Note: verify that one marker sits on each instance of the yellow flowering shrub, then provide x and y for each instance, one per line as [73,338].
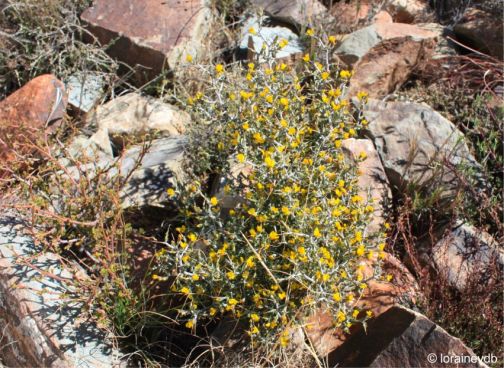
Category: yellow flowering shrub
[296,238]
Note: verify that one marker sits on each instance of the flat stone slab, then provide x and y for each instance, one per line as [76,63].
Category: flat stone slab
[150,32]
[41,327]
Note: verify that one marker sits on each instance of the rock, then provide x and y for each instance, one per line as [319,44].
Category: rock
[40,326]
[482,31]
[133,113]
[384,55]
[28,114]
[378,298]
[408,11]
[266,35]
[160,169]
[296,12]
[95,148]
[467,255]
[401,337]
[357,44]
[85,91]
[417,145]
[373,181]
[354,15]
[153,34]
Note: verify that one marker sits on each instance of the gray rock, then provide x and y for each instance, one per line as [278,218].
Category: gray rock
[296,12]
[467,255]
[401,337]
[417,145]
[267,35]
[160,168]
[40,326]
[85,90]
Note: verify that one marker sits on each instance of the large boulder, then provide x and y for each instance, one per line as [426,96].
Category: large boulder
[417,145]
[482,31]
[150,33]
[401,337]
[29,114]
[296,12]
[384,55]
[466,255]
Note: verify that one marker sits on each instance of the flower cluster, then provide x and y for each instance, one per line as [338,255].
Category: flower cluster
[285,231]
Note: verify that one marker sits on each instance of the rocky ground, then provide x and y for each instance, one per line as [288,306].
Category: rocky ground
[93,132]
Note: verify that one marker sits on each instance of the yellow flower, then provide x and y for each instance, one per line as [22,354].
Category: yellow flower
[192,237]
[269,162]
[369,314]
[362,95]
[170,192]
[274,236]
[230,275]
[258,138]
[284,101]
[254,317]
[310,32]
[281,295]
[345,74]
[336,297]
[240,157]
[212,311]
[250,262]
[232,301]
[189,58]
[219,68]
[285,211]
[252,31]
[284,340]
[360,250]
[282,43]
[341,316]
[195,277]
[389,278]
[332,39]
[254,330]
[324,75]
[185,291]
[214,201]
[189,324]
[316,233]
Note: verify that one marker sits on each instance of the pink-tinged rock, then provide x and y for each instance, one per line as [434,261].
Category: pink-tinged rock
[297,12]
[482,31]
[152,33]
[408,11]
[384,55]
[373,182]
[467,255]
[388,65]
[352,16]
[401,337]
[378,298]
[29,113]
